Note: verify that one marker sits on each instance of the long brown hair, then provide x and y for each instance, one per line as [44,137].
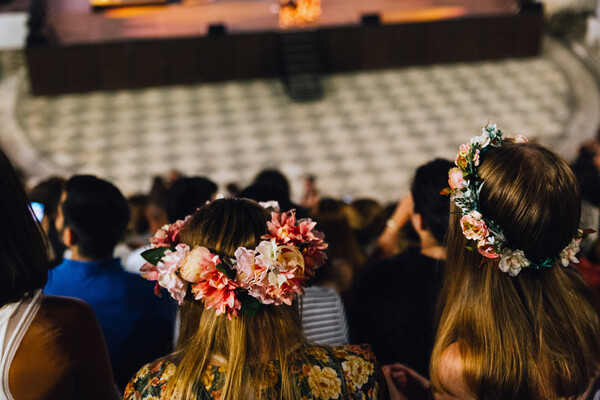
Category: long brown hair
[534,336]
[244,346]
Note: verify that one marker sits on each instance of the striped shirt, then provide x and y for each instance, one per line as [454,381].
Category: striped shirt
[323,317]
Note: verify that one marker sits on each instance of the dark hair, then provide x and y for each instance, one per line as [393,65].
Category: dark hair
[23,255]
[266,192]
[186,195]
[48,193]
[430,179]
[97,213]
[342,244]
[275,178]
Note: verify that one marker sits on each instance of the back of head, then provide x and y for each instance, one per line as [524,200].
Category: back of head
[243,344]
[97,213]
[367,219]
[333,222]
[23,256]
[186,195]
[266,192]
[430,179]
[274,177]
[48,193]
[533,335]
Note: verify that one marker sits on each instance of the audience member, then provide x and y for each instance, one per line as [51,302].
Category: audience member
[156,212]
[183,197]
[186,195]
[48,194]
[409,283]
[236,279]
[515,319]
[138,228]
[262,192]
[50,347]
[137,326]
[311,195]
[280,187]
[345,256]
[367,219]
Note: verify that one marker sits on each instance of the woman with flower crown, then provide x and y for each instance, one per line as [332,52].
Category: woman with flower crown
[515,321]
[236,275]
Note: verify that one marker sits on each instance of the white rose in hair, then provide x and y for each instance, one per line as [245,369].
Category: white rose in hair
[511,261]
[568,253]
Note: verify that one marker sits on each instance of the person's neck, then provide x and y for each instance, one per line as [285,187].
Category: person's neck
[77,256]
[431,248]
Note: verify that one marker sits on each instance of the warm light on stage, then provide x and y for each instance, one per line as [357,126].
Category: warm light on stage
[77,49]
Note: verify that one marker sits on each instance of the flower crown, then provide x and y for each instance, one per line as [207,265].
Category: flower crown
[465,188]
[273,273]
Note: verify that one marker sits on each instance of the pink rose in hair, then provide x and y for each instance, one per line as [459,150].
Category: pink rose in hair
[161,238]
[167,235]
[218,292]
[195,262]
[175,228]
[473,226]
[488,251]
[284,229]
[456,179]
[521,139]
[476,158]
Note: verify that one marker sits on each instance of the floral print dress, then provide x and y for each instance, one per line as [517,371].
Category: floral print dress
[322,372]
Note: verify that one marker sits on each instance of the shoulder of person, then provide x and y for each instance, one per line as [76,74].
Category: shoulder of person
[150,380]
[363,351]
[66,312]
[450,374]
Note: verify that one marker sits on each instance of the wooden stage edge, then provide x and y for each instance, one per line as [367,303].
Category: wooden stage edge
[218,56]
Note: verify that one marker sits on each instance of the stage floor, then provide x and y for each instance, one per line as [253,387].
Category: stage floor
[73,21]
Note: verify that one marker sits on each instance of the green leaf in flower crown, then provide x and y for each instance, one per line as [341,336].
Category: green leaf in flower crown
[250,305]
[469,248]
[153,256]
[229,273]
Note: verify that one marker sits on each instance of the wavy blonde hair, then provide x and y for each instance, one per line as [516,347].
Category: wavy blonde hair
[245,346]
[534,336]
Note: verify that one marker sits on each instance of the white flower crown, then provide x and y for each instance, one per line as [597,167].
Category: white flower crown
[465,188]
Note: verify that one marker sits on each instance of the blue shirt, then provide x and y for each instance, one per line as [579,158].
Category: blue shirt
[137,325]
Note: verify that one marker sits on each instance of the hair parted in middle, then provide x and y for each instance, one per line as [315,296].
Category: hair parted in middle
[530,336]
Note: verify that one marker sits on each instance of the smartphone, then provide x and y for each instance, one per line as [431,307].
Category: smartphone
[38,210]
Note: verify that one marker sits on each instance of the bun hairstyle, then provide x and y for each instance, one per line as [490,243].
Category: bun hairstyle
[529,336]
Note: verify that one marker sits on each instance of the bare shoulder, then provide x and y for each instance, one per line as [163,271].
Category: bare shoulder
[69,315]
[451,376]
[68,306]
[54,350]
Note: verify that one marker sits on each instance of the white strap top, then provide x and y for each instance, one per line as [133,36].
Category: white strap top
[15,319]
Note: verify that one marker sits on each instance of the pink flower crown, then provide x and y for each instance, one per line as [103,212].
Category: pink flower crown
[465,186]
[273,273]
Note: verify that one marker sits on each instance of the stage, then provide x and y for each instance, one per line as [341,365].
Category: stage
[72,48]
